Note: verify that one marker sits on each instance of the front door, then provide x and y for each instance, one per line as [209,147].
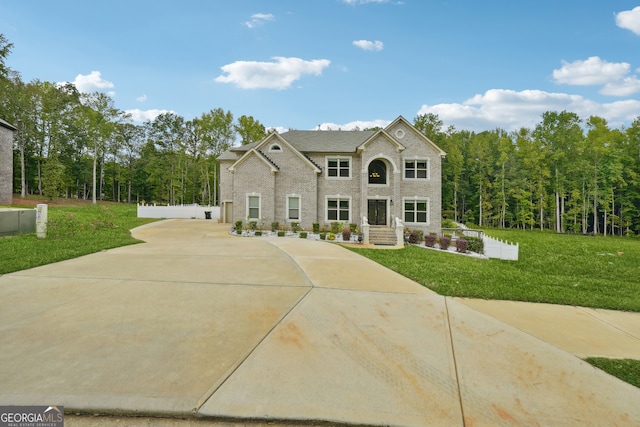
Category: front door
[377,212]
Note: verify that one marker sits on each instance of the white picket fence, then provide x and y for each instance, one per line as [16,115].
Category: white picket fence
[178,211]
[496,248]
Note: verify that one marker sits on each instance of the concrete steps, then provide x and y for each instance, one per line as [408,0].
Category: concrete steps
[382,235]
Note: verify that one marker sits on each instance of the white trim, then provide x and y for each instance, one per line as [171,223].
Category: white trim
[259,196]
[299,197]
[416,159]
[273,149]
[338,158]
[338,197]
[427,200]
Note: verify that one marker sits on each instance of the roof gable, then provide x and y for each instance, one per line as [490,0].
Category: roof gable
[404,121]
[399,147]
[253,152]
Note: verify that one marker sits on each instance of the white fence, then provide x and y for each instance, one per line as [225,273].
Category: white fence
[179,211]
[495,248]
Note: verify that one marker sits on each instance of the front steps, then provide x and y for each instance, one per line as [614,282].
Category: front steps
[382,236]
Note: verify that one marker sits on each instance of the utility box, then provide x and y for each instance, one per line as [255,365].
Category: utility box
[16,221]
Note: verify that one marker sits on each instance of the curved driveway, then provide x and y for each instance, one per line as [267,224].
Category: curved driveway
[195,323]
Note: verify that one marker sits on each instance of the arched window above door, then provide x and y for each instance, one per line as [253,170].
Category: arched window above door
[377,172]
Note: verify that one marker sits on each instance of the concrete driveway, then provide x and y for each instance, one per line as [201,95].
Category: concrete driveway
[198,324]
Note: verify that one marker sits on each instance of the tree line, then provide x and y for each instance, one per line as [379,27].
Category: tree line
[565,174]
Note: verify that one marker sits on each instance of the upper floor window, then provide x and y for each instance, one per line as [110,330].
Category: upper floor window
[275,148]
[377,172]
[339,167]
[416,169]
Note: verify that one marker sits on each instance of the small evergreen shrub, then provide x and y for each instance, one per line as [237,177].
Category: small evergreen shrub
[475,244]
[253,225]
[445,241]
[430,240]
[353,227]
[275,226]
[462,245]
[295,227]
[316,227]
[258,233]
[323,236]
[239,227]
[335,227]
[448,223]
[281,233]
[303,234]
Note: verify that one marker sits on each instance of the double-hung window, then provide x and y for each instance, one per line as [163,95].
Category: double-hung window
[416,211]
[293,208]
[339,167]
[338,209]
[416,169]
[253,207]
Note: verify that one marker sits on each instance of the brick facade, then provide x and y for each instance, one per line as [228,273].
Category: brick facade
[296,164]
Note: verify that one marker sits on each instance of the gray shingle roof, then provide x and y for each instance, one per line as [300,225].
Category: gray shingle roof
[332,141]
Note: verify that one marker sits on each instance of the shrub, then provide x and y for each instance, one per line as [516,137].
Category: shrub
[448,223]
[353,227]
[253,225]
[295,227]
[239,226]
[331,236]
[275,226]
[316,227]
[258,233]
[413,238]
[323,236]
[430,240]
[462,245]
[281,233]
[335,227]
[475,244]
[346,234]
[303,234]
[445,241]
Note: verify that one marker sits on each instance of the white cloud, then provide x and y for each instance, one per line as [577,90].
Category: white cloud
[270,75]
[511,110]
[142,98]
[138,115]
[360,124]
[629,20]
[593,71]
[258,19]
[369,45]
[92,82]
[625,87]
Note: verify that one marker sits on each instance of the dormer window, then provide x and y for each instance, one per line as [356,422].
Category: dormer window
[275,148]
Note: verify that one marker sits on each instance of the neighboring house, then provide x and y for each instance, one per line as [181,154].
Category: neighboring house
[327,176]
[6,162]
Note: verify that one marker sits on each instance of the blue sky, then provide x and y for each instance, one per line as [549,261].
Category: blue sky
[339,63]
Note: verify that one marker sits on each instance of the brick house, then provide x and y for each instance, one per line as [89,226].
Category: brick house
[327,176]
[6,162]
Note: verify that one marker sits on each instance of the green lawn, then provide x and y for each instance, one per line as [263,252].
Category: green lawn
[626,369]
[72,231]
[600,272]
